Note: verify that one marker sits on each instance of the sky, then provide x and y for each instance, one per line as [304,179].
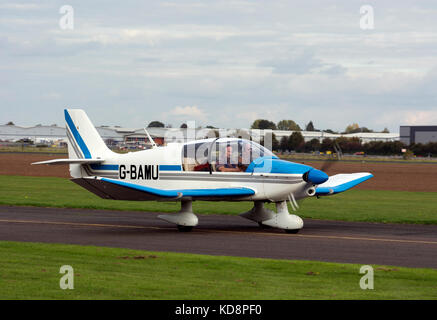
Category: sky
[220,63]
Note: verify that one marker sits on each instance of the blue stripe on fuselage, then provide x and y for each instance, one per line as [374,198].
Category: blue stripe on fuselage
[170,167]
[104,166]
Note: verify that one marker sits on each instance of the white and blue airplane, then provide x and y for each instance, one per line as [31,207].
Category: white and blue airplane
[217,169]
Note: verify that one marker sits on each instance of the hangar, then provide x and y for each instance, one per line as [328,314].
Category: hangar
[113,136]
[363,136]
[418,134]
[137,136]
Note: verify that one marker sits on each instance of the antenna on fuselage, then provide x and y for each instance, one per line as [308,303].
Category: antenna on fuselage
[150,139]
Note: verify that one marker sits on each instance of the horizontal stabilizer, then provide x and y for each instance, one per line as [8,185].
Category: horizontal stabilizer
[70,161]
[341,182]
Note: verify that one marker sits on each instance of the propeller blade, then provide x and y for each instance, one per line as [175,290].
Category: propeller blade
[329,162]
[293,203]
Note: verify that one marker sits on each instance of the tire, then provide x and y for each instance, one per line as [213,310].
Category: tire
[292,231]
[184,228]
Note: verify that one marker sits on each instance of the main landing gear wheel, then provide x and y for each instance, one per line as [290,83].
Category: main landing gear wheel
[184,228]
[293,231]
[185,219]
[263,226]
[280,219]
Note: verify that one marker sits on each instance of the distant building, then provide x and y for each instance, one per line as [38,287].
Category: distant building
[14,133]
[363,136]
[131,137]
[418,134]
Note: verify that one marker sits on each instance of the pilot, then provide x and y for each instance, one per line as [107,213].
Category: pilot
[246,157]
[228,166]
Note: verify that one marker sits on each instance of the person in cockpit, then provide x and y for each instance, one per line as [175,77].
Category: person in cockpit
[245,158]
[228,166]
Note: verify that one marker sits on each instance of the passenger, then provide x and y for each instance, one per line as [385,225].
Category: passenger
[228,166]
[202,167]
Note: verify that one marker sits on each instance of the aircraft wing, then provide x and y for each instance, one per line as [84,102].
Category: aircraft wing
[121,190]
[70,161]
[341,182]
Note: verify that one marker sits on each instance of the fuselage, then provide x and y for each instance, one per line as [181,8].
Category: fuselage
[167,168]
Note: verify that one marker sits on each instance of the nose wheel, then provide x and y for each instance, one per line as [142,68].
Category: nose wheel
[184,228]
[293,231]
[280,219]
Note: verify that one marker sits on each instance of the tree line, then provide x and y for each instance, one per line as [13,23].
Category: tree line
[296,142]
[290,125]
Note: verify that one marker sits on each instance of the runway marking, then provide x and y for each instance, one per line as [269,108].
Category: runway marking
[83,224]
[331,237]
[222,231]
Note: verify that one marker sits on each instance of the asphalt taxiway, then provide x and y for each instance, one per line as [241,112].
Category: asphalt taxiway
[334,241]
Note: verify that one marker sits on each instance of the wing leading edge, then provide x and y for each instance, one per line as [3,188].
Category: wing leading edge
[341,182]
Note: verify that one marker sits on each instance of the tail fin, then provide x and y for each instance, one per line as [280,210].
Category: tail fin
[84,140]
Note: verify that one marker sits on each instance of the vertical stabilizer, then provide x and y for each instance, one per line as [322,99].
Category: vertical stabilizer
[83,136]
[84,142]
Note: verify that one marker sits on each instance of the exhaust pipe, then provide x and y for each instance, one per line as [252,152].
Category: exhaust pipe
[311,191]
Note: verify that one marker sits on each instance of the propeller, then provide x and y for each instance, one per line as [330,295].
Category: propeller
[316,176]
[293,203]
[328,163]
[313,176]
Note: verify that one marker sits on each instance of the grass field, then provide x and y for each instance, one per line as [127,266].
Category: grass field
[31,271]
[354,205]
[26,149]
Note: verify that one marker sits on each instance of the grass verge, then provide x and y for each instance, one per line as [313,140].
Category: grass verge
[31,271]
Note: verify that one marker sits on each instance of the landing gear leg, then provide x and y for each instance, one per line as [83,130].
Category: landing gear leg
[282,219]
[185,219]
[258,213]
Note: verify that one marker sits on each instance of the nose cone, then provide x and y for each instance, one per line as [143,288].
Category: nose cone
[317,176]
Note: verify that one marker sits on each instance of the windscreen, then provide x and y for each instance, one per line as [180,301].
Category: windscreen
[225,155]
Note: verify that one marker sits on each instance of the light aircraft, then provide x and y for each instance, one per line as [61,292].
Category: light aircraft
[217,169]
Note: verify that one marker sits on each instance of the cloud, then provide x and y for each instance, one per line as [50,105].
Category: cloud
[51,96]
[239,60]
[20,6]
[334,69]
[302,63]
[419,117]
[188,113]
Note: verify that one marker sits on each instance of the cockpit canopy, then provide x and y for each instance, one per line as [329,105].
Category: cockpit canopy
[222,154]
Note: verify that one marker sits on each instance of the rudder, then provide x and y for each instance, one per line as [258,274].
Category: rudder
[84,140]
